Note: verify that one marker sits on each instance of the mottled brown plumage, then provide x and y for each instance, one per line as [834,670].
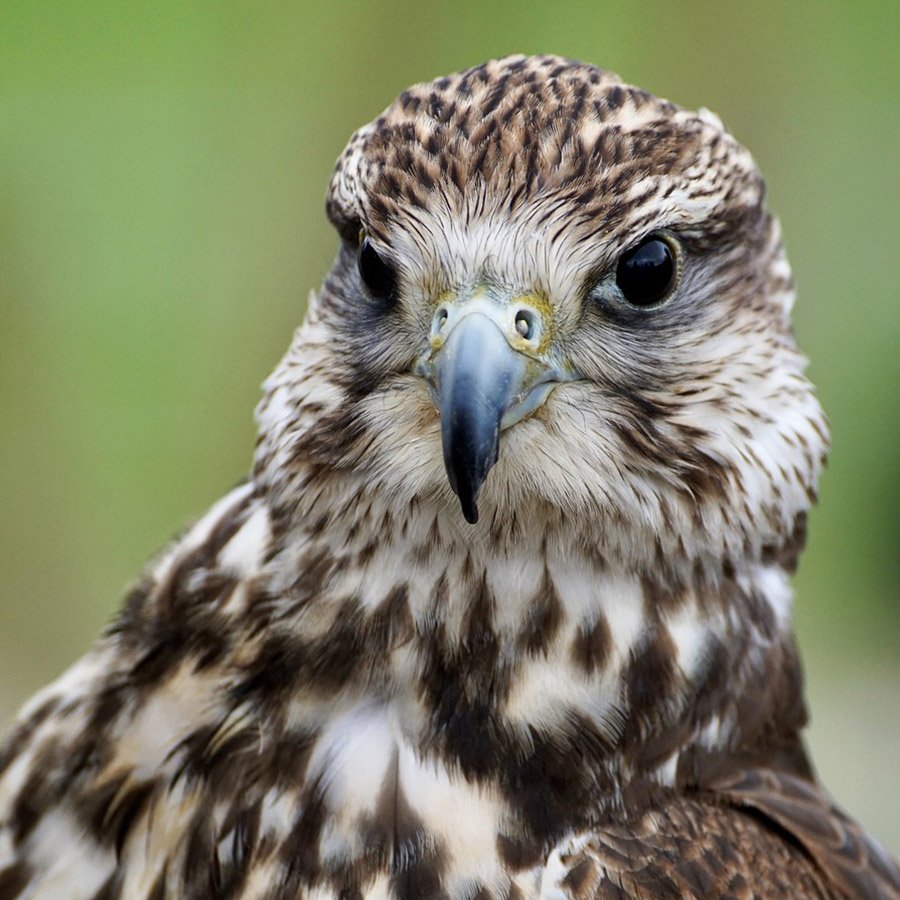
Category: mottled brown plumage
[503,609]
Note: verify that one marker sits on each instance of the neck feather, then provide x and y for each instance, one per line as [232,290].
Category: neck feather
[538,666]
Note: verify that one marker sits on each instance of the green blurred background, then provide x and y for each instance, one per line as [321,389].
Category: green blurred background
[162,170]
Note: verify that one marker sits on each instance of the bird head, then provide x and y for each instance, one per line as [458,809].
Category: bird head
[557,299]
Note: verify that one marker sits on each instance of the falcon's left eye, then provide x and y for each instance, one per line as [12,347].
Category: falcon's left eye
[647,273]
[377,273]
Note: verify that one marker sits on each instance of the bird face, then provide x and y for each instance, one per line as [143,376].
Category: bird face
[563,299]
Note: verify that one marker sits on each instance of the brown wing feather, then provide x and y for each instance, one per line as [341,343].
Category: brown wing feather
[757,833]
[851,859]
[694,849]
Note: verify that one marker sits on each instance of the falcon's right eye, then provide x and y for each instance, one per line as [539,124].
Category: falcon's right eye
[377,273]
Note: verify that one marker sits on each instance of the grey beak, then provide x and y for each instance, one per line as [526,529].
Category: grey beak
[478,377]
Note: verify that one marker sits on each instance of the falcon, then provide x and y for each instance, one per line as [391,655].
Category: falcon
[503,608]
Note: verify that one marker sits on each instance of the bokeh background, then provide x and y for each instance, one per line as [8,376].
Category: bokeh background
[162,170]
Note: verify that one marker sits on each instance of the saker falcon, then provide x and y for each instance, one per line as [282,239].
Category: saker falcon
[502,610]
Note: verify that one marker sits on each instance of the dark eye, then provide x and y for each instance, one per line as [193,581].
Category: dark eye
[646,273]
[377,274]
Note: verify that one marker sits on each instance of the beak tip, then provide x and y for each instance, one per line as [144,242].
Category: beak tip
[469,510]
[467,493]
[467,475]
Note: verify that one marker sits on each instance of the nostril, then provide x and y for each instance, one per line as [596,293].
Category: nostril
[525,324]
[440,319]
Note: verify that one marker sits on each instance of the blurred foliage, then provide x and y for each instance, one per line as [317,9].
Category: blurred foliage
[163,168]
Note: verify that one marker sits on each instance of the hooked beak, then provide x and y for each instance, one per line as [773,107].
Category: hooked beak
[488,368]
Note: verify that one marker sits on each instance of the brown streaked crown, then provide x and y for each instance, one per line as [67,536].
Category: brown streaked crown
[513,129]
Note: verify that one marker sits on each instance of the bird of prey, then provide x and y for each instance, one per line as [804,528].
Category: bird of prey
[503,608]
